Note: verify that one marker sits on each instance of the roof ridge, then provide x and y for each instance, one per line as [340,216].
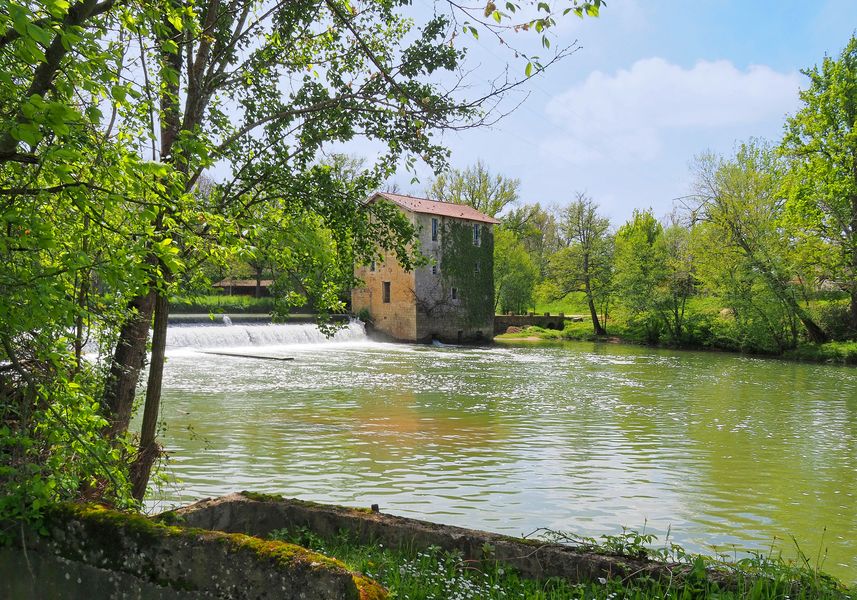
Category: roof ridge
[413,204]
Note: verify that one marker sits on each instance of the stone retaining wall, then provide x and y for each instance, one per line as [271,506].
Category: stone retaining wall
[259,515]
[91,552]
[547,321]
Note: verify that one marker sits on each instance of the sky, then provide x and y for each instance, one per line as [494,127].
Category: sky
[654,83]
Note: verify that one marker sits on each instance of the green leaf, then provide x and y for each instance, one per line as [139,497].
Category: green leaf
[176,21]
[27,133]
[39,34]
[118,92]
[57,8]
[529,70]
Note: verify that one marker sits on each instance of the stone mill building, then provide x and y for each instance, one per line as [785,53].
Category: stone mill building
[451,298]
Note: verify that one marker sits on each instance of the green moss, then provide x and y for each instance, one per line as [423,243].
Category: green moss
[104,524]
[368,589]
[102,519]
[259,497]
[282,553]
[170,517]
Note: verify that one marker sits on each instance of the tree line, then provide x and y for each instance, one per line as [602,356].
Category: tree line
[760,256]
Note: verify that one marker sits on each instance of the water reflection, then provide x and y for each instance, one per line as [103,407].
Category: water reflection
[723,450]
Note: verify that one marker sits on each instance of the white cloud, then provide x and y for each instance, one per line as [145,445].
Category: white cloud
[628,115]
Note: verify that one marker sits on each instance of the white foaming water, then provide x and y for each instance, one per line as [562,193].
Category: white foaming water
[231,336]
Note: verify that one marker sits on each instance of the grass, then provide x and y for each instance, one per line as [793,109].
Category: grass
[434,574]
[705,329]
[220,304]
[844,353]
[572,304]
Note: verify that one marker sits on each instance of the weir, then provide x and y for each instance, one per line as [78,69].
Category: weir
[243,335]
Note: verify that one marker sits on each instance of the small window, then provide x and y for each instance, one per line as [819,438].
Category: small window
[386,292]
[477,268]
[476,232]
[372,266]
[455,293]
[434,269]
[433,229]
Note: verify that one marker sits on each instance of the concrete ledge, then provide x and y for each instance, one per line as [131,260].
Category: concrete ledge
[89,551]
[259,515]
[245,318]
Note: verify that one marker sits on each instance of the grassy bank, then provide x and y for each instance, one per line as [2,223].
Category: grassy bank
[433,574]
[843,353]
[708,325]
[220,304]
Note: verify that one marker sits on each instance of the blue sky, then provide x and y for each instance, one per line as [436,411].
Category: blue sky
[654,83]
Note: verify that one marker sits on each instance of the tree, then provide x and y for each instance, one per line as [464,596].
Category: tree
[639,268]
[515,274]
[537,230]
[112,113]
[821,143]
[476,186]
[585,263]
[654,273]
[71,235]
[219,97]
[739,197]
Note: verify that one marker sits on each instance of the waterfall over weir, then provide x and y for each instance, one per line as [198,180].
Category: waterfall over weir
[228,336]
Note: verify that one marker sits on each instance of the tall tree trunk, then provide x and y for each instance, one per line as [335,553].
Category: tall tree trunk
[853,282]
[258,282]
[587,288]
[127,364]
[853,309]
[813,331]
[149,449]
[596,325]
[82,295]
[171,126]
[780,290]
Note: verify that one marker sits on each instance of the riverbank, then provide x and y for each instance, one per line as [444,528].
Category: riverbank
[422,560]
[433,573]
[252,545]
[841,353]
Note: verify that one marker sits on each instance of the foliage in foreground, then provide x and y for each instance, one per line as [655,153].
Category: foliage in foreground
[435,574]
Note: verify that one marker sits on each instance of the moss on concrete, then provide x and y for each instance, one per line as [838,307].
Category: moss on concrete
[262,497]
[369,589]
[192,559]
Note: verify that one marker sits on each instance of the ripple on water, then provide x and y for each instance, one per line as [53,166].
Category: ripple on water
[724,450]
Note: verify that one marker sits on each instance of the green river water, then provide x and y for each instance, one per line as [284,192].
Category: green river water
[724,451]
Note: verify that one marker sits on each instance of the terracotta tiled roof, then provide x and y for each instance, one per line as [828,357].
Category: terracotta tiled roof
[432,207]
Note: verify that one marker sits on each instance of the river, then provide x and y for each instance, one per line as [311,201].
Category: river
[726,452]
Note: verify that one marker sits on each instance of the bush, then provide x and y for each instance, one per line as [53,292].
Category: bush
[832,316]
[221,304]
[844,353]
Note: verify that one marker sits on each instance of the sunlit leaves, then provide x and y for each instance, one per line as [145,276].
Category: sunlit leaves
[821,186]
